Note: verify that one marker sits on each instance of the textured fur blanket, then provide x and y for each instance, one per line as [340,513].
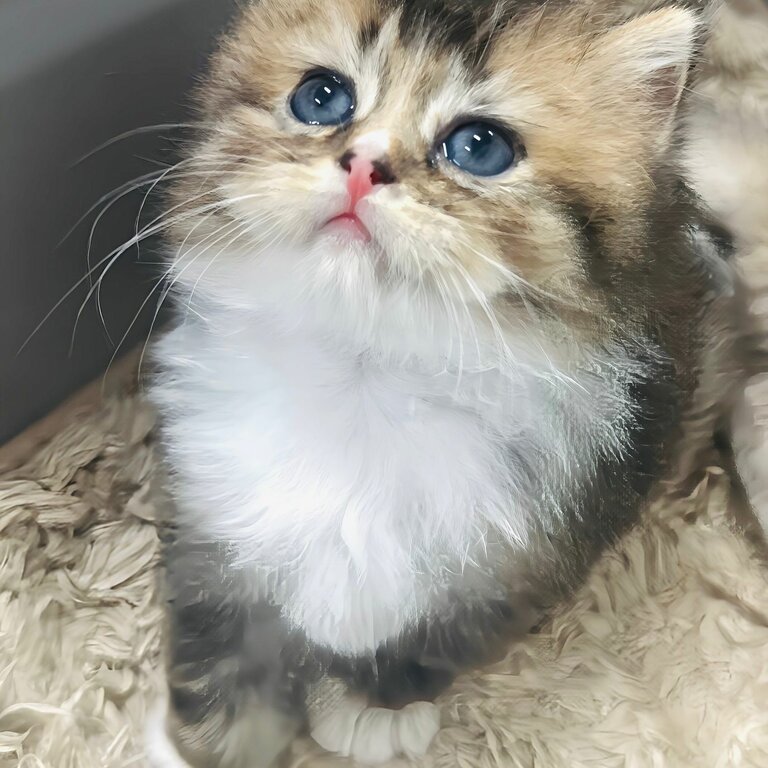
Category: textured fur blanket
[661,660]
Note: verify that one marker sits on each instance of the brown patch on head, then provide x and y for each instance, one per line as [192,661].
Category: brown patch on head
[602,99]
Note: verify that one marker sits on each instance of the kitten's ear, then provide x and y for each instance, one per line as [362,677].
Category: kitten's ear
[650,56]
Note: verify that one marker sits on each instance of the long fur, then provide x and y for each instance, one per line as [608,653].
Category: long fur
[412,444]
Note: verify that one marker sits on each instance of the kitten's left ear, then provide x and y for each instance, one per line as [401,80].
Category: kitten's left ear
[650,56]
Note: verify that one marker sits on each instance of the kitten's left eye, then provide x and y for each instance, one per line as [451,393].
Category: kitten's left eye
[324,98]
[480,148]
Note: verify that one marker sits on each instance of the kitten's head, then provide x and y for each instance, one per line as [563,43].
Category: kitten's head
[364,163]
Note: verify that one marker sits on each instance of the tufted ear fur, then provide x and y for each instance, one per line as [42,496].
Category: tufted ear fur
[650,57]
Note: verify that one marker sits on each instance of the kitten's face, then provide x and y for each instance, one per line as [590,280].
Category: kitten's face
[466,145]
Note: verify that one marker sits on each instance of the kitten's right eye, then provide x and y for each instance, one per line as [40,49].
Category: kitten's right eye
[481,149]
[324,98]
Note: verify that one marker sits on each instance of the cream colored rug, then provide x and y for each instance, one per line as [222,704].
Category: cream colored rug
[661,661]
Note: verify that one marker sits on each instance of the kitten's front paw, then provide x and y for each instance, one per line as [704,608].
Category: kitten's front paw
[416,727]
[374,735]
[159,749]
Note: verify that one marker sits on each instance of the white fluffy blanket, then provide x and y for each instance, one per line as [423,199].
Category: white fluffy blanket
[661,660]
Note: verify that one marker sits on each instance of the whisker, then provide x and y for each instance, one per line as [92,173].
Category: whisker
[157,311]
[133,132]
[160,281]
[90,245]
[122,190]
[505,352]
[239,231]
[169,287]
[450,307]
[156,226]
[167,290]
[153,228]
[136,184]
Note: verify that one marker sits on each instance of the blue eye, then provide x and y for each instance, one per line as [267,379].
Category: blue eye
[481,149]
[323,99]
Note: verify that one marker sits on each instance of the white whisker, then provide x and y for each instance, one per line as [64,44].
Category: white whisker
[133,132]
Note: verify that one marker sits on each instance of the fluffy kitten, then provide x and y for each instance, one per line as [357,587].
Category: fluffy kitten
[445,307]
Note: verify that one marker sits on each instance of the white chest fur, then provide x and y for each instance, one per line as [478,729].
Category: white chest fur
[353,490]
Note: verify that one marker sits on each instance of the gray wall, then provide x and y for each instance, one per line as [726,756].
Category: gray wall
[74,74]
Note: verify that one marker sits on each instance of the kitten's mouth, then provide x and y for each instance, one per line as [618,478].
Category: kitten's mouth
[348,224]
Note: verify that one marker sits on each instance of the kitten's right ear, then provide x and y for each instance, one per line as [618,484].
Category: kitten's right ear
[650,57]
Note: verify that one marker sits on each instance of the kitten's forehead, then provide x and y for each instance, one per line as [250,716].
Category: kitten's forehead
[463,27]
[402,55]
[453,24]
[467,28]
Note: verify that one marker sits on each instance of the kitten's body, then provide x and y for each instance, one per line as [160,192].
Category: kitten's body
[382,482]
[412,447]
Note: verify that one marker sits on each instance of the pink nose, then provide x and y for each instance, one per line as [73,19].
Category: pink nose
[364,175]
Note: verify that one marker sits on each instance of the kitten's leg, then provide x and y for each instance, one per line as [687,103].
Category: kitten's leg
[375,709]
[342,721]
[378,708]
[160,750]
[231,702]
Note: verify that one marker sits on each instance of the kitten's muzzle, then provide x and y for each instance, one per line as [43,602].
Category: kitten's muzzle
[364,175]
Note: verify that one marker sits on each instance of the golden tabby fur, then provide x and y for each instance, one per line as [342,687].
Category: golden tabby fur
[391,454]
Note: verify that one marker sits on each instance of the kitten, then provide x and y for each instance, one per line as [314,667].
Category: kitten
[445,308]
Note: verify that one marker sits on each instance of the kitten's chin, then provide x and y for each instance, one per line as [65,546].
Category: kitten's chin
[347,235]
[347,227]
